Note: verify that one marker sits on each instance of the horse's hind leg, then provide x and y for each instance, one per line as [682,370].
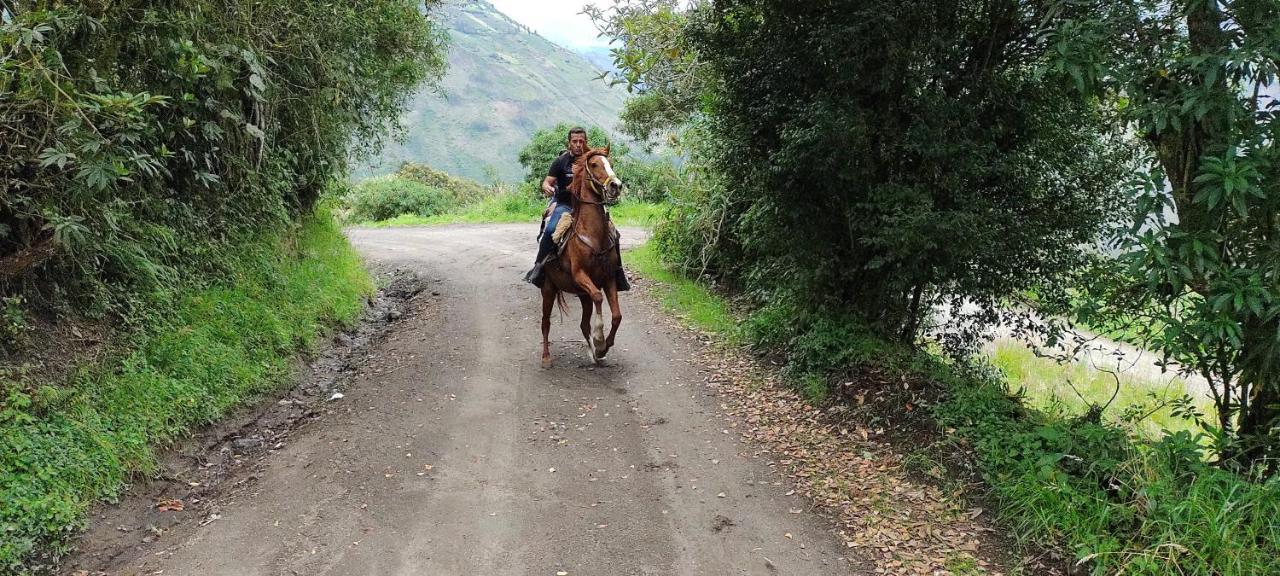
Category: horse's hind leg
[548,302]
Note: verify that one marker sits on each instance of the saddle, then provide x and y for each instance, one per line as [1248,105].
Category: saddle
[560,235]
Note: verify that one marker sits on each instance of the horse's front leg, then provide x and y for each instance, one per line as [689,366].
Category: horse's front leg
[586,325]
[611,293]
[592,324]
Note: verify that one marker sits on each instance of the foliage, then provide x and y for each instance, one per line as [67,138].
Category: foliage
[920,160]
[548,143]
[141,139]
[653,180]
[656,61]
[1148,406]
[507,204]
[63,448]
[385,198]
[647,180]
[1120,506]
[460,190]
[1199,274]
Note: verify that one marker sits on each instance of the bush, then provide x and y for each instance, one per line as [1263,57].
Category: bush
[461,190]
[64,447]
[548,143]
[649,181]
[1121,506]
[385,198]
[139,140]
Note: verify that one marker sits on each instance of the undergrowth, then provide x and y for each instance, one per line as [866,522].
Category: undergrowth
[506,205]
[1119,503]
[64,446]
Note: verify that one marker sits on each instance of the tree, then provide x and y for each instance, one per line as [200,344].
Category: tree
[1199,279]
[656,61]
[548,143]
[877,159]
[138,139]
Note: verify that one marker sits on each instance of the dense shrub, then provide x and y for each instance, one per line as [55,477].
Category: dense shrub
[923,157]
[140,141]
[1120,506]
[64,446]
[460,190]
[385,198]
[650,180]
[548,143]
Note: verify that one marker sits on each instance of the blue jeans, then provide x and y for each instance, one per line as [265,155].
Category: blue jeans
[548,246]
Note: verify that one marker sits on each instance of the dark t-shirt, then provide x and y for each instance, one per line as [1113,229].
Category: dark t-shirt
[562,171]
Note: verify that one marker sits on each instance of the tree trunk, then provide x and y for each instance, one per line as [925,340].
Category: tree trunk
[1260,411]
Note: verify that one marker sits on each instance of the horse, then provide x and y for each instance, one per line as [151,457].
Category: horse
[588,262]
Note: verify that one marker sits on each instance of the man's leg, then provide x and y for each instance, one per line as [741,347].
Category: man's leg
[546,245]
[619,276]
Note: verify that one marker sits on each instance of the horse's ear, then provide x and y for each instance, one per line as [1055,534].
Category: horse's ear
[606,149]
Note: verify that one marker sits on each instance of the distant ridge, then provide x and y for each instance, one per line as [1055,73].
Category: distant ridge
[504,82]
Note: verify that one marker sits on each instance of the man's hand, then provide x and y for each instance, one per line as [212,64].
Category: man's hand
[548,187]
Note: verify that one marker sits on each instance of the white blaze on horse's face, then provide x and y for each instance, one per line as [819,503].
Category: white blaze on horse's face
[608,169]
[614,183]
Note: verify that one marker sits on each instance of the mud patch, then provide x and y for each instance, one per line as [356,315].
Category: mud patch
[225,457]
[721,523]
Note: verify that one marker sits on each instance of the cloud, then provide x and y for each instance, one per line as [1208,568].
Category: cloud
[560,21]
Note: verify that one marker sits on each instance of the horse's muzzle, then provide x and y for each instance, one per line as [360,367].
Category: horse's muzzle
[613,192]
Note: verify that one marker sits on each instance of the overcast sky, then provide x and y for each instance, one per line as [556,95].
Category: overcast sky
[557,20]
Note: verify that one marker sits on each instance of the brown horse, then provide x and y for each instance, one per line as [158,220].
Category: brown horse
[587,265]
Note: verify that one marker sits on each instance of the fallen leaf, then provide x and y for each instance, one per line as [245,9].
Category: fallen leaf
[170,505]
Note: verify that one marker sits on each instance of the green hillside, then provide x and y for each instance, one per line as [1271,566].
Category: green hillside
[504,82]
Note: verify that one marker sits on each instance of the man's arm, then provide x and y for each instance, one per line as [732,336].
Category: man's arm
[548,186]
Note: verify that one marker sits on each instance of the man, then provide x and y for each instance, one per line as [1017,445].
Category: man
[556,186]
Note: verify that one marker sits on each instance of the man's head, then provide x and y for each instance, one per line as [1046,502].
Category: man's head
[577,141]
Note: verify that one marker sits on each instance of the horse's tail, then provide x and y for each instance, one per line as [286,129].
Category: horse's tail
[560,303]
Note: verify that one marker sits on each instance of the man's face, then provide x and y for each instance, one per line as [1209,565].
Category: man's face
[577,144]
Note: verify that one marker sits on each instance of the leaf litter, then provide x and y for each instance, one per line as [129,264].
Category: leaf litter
[902,525]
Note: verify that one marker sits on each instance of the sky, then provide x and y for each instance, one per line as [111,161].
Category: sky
[559,21]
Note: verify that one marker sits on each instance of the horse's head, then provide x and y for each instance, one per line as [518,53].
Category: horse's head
[598,183]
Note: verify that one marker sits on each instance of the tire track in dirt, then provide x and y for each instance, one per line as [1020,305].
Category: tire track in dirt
[453,453]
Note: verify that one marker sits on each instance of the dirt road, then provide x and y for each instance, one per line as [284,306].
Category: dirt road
[453,453]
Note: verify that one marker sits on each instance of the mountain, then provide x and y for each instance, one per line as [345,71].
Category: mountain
[504,82]
[602,58]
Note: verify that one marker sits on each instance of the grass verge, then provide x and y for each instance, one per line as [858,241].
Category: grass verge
[65,446]
[683,297]
[1145,405]
[1117,502]
[516,206]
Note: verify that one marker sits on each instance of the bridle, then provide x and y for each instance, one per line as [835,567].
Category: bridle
[598,188]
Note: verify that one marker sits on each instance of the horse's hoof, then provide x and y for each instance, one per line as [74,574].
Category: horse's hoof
[546,363]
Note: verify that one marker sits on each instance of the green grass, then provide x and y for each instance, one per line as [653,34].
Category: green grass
[65,446]
[690,301]
[517,206]
[1068,390]
[1121,503]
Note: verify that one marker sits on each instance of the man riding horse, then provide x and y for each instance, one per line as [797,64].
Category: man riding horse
[556,185]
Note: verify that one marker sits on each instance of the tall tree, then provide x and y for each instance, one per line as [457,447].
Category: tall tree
[879,158]
[1196,80]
